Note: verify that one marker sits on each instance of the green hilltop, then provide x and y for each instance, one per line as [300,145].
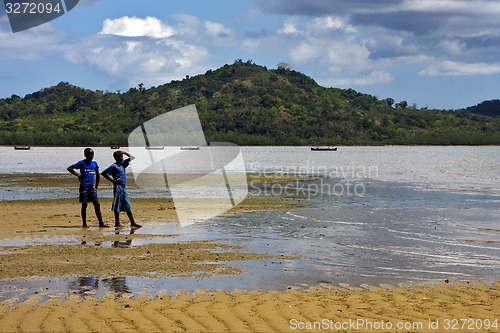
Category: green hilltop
[246,104]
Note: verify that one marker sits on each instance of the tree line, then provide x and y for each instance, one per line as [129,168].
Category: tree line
[246,104]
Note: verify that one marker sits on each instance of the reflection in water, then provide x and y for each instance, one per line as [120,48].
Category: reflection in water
[91,285]
[114,243]
[117,285]
[126,243]
[85,286]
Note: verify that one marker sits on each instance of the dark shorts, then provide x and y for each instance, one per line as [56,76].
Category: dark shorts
[87,194]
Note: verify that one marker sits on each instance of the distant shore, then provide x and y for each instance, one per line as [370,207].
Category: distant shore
[376,144]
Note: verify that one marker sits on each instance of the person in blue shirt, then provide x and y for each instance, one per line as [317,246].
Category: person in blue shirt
[115,173]
[89,171]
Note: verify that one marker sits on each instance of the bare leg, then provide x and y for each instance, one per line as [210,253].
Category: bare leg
[84,215]
[132,222]
[97,208]
[117,220]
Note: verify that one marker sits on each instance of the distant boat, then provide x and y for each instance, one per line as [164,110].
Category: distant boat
[327,148]
[115,147]
[190,148]
[155,147]
[22,147]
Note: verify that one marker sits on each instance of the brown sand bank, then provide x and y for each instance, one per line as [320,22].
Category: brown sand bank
[35,232]
[441,308]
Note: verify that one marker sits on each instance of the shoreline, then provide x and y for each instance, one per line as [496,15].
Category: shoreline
[256,145]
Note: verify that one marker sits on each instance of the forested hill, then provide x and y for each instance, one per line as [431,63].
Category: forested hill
[242,103]
[487,108]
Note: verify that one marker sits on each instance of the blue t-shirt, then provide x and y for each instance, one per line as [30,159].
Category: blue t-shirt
[87,170]
[118,172]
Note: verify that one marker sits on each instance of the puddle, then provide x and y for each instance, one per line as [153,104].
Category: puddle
[124,237]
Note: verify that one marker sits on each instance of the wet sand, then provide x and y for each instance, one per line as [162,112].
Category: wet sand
[44,238]
[441,308]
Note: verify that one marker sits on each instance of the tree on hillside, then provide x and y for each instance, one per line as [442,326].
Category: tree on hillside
[487,108]
[284,65]
[402,105]
[388,101]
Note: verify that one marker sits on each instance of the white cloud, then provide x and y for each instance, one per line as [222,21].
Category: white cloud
[375,77]
[290,26]
[145,50]
[151,62]
[186,19]
[329,23]
[453,68]
[450,6]
[33,44]
[326,42]
[305,52]
[217,30]
[453,47]
[336,55]
[187,26]
[137,27]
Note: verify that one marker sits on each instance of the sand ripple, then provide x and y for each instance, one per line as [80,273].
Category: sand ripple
[257,311]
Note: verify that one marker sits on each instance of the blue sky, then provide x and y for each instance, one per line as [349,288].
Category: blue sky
[433,53]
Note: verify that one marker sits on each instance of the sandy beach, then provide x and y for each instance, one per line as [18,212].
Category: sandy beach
[442,308]
[44,239]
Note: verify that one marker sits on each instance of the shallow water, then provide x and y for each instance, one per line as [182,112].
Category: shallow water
[420,214]
[458,168]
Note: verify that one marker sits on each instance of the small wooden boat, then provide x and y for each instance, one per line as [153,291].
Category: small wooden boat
[22,147]
[115,147]
[324,148]
[190,148]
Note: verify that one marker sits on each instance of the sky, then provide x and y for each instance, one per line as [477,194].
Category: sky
[442,54]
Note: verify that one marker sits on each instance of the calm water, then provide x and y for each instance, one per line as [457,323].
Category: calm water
[382,215]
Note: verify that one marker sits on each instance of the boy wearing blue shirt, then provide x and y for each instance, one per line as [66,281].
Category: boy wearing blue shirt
[116,174]
[89,170]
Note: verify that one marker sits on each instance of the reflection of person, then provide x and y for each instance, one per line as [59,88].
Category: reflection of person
[115,173]
[85,285]
[88,171]
[117,285]
[126,243]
